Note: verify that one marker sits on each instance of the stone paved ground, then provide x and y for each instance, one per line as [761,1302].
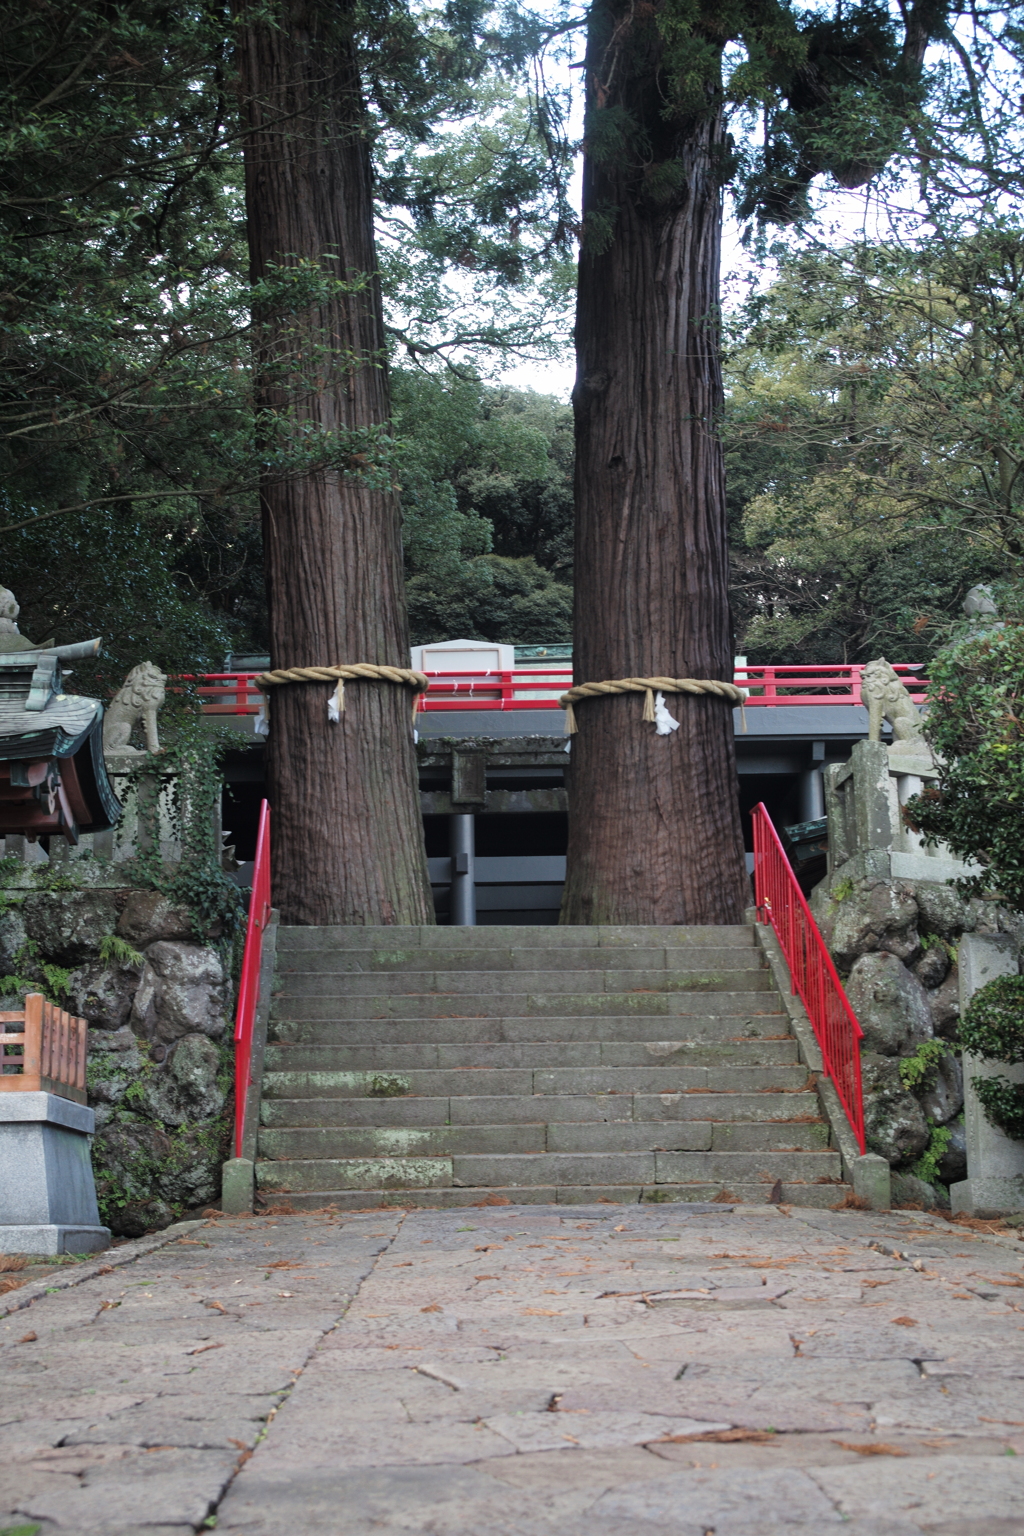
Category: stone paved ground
[525,1371]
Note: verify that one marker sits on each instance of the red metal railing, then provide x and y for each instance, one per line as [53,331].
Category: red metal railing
[813,976]
[249,982]
[235,693]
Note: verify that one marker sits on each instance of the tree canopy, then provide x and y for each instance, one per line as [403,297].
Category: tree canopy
[873,445]
[127,429]
[872,421]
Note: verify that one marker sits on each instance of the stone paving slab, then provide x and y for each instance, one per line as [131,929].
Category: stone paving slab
[525,1370]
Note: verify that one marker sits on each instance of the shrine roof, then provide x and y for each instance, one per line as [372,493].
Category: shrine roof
[57,731]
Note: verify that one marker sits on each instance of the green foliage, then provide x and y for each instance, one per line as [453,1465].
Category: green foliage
[499,599]
[56,978]
[117,951]
[992,1025]
[139,1176]
[36,975]
[10,869]
[829,93]
[108,1066]
[1003,1103]
[874,406]
[842,890]
[129,449]
[486,478]
[936,941]
[927,1165]
[975,725]
[197,883]
[920,1069]
[56,877]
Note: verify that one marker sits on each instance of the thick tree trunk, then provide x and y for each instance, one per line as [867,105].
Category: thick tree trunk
[654,826]
[347,834]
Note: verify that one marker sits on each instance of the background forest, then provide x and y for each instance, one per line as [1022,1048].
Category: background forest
[874,421]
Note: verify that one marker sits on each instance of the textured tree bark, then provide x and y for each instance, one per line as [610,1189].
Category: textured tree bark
[348,839]
[654,826]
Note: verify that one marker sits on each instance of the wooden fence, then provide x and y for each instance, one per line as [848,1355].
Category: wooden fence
[44,1051]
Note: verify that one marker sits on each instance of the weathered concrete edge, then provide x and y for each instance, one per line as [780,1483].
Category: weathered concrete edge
[111,1258]
[238,1174]
[869,1174]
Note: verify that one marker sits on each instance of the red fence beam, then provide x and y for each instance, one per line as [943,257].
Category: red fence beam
[813,977]
[249,981]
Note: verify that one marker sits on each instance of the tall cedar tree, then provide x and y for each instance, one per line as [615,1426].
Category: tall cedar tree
[654,825]
[348,841]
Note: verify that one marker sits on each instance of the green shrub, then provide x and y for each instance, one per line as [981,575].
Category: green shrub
[1003,1103]
[993,1022]
[993,1027]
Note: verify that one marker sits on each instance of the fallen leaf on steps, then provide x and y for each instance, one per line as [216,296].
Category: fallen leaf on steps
[872,1448]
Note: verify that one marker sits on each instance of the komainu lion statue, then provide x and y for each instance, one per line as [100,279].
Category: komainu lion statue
[138,698]
[888,699]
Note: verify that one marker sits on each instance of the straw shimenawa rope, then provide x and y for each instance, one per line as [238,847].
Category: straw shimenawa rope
[646,686]
[359,671]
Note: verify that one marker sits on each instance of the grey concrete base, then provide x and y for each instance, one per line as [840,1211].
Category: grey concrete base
[872,1180]
[45,1168]
[52,1240]
[237,1184]
[987,1198]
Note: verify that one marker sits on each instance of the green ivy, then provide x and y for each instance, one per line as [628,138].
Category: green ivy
[921,1069]
[197,883]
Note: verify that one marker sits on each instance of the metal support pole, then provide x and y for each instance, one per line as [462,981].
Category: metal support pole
[812,795]
[462,847]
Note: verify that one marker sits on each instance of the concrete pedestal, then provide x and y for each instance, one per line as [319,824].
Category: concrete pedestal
[47,1192]
[994,1185]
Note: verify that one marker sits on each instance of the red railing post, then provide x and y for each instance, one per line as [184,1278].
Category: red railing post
[249,981]
[813,977]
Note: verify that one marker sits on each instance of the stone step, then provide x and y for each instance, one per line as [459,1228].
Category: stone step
[471,1066]
[418,961]
[815,1196]
[285,1057]
[514,935]
[456,984]
[744,1110]
[525,1081]
[513,1169]
[342,1142]
[650,1004]
[693,1026]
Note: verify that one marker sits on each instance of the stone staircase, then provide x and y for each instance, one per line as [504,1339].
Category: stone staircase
[451,1066]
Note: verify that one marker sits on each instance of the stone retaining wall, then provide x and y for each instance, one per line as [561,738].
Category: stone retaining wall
[159,1069]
